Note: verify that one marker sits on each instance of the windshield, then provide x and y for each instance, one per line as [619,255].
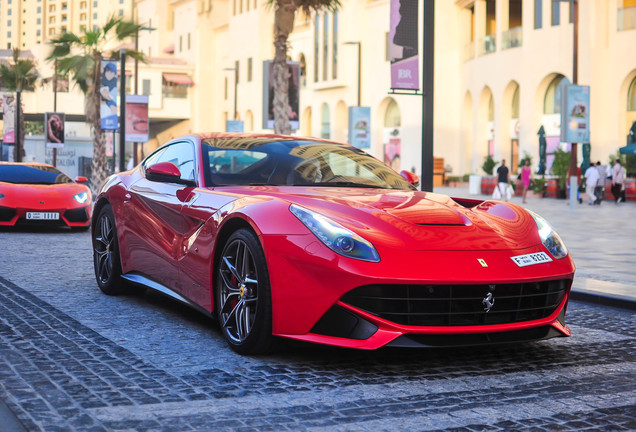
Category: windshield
[280,162]
[32,174]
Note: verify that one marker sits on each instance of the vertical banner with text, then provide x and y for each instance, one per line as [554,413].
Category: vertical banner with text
[108,94]
[137,124]
[8,119]
[575,114]
[54,129]
[360,127]
[403,45]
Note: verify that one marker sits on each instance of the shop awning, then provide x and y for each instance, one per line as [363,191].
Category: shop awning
[628,149]
[178,79]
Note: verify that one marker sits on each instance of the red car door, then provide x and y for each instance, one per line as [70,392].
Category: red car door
[155,223]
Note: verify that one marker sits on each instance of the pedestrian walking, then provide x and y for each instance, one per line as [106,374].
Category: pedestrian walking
[526,176]
[618,180]
[599,190]
[591,179]
[502,180]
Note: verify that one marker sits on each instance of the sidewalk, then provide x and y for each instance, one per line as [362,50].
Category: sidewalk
[601,240]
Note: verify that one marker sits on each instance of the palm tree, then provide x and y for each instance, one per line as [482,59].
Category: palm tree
[20,75]
[285,12]
[82,55]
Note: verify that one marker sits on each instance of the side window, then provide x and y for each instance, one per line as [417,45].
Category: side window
[181,154]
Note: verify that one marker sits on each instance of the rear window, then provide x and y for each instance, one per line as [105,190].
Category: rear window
[32,174]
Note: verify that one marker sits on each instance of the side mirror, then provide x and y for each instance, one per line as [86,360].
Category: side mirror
[81,179]
[410,177]
[164,172]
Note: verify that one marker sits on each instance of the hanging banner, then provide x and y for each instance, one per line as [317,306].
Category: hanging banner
[108,93]
[360,126]
[575,114]
[137,123]
[54,129]
[403,45]
[293,75]
[8,119]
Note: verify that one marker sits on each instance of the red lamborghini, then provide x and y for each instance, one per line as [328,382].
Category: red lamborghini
[280,236]
[40,194]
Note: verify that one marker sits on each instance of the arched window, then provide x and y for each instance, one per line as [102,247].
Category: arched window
[392,117]
[515,104]
[552,101]
[325,124]
[631,96]
[303,71]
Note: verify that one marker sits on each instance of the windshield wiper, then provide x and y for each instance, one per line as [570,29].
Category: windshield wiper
[348,184]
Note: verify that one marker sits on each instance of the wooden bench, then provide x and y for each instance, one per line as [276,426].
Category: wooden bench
[439,172]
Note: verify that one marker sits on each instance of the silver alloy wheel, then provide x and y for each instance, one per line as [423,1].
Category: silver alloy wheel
[104,249]
[238,291]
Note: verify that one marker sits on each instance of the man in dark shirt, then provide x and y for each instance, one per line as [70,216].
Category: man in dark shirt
[502,180]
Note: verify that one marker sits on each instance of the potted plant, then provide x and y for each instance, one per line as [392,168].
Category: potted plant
[559,169]
[488,182]
[538,186]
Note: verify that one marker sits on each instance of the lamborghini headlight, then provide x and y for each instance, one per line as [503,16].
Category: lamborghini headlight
[549,237]
[81,197]
[336,237]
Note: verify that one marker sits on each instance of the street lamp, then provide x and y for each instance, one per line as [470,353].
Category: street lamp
[235,69]
[359,65]
[575,77]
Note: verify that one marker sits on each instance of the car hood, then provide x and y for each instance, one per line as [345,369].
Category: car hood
[34,195]
[417,220]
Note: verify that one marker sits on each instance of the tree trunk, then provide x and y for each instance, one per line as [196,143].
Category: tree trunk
[283,26]
[92,108]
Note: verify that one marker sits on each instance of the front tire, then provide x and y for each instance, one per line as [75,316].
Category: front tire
[106,259]
[243,295]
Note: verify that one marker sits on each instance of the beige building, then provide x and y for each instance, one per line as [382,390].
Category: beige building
[498,69]
[27,23]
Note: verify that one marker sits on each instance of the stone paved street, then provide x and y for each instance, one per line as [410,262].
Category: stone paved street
[73,359]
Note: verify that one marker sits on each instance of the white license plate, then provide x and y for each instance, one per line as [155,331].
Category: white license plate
[43,216]
[531,259]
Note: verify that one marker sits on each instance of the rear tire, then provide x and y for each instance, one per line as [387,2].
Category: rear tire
[106,258]
[243,295]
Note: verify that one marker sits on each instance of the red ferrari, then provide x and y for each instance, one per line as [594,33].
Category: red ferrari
[40,194]
[280,236]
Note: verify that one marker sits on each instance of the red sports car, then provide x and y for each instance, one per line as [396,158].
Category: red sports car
[280,236]
[40,194]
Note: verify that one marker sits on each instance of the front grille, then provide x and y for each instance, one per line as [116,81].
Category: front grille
[6,214]
[76,215]
[459,305]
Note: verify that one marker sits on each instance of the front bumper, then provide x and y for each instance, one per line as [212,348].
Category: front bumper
[309,282]
[77,217]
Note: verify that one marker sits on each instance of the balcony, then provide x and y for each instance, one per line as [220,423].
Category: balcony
[626,18]
[469,51]
[512,38]
[487,45]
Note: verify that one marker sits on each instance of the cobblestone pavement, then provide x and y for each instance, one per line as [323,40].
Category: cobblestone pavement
[73,359]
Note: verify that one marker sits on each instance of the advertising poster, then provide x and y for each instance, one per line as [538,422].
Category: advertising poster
[393,148]
[234,126]
[293,76]
[108,93]
[403,45]
[8,119]
[54,129]
[360,127]
[137,123]
[575,114]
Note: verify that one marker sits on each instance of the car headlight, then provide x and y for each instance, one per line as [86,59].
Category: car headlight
[81,197]
[549,237]
[336,237]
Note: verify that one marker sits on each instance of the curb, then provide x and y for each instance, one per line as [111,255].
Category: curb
[603,299]
[8,421]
